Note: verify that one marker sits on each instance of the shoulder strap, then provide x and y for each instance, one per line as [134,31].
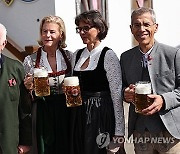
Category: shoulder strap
[101,58]
[33,58]
[67,61]
[79,54]
[105,49]
[38,58]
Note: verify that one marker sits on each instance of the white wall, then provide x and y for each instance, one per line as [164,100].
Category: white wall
[167,13]
[119,37]
[67,11]
[20,19]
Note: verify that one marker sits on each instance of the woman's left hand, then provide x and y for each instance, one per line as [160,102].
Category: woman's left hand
[116,145]
[22,149]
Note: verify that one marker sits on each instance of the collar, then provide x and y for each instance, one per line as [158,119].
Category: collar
[147,53]
[95,51]
[1,60]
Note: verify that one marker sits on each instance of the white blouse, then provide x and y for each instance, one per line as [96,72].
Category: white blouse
[61,65]
[113,73]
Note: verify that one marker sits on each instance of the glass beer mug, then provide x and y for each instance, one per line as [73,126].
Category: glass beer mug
[72,91]
[41,82]
[142,101]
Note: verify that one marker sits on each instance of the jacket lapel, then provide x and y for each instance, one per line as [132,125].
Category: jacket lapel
[151,66]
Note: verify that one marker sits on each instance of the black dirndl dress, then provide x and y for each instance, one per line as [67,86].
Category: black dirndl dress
[96,115]
[51,115]
[52,125]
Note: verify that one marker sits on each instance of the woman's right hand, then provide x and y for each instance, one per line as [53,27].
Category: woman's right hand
[129,93]
[28,82]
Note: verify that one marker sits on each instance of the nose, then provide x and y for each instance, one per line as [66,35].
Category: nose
[142,27]
[48,34]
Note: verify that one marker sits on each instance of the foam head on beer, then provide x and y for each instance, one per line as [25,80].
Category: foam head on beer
[40,72]
[71,81]
[143,88]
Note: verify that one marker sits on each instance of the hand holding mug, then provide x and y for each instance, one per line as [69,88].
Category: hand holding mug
[129,93]
[41,82]
[156,106]
[28,82]
[142,100]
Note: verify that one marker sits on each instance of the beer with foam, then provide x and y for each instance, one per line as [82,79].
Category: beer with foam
[72,91]
[41,82]
[142,101]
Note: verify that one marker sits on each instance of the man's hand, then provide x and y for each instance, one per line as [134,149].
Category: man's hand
[155,107]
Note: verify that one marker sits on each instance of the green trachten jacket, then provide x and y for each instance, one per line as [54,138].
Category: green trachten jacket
[15,107]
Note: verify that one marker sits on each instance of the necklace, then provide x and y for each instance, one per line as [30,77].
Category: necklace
[54,74]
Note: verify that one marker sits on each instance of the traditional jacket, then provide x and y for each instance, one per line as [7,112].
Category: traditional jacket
[15,110]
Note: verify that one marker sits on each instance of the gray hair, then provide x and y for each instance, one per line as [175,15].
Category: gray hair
[3,33]
[141,11]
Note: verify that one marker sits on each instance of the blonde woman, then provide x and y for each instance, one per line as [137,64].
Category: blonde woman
[50,112]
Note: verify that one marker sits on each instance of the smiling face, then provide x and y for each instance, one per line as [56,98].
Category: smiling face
[50,34]
[143,28]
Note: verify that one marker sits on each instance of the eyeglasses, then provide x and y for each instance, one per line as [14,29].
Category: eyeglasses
[85,29]
[145,25]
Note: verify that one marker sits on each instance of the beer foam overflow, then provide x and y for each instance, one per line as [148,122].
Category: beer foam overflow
[144,88]
[71,81]
[40,72]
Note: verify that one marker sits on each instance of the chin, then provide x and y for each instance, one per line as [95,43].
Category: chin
[143,41]
[48,45]
[85,42]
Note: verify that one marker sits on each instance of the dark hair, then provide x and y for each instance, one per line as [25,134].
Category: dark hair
[141,11]
[95,19]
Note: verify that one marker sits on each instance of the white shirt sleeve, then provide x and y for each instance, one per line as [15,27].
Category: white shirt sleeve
[28,65]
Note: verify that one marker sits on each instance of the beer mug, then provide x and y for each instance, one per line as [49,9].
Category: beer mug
[142,101]
[72,91]
[41,82]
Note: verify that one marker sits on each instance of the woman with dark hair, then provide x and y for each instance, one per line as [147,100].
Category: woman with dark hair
[101,116]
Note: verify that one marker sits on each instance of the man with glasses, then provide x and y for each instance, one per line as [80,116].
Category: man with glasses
[157,129]
[15,110]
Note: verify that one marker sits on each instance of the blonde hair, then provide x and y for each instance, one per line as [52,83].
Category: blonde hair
[62,29]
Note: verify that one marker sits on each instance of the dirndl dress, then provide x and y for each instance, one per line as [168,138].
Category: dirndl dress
[93,122]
